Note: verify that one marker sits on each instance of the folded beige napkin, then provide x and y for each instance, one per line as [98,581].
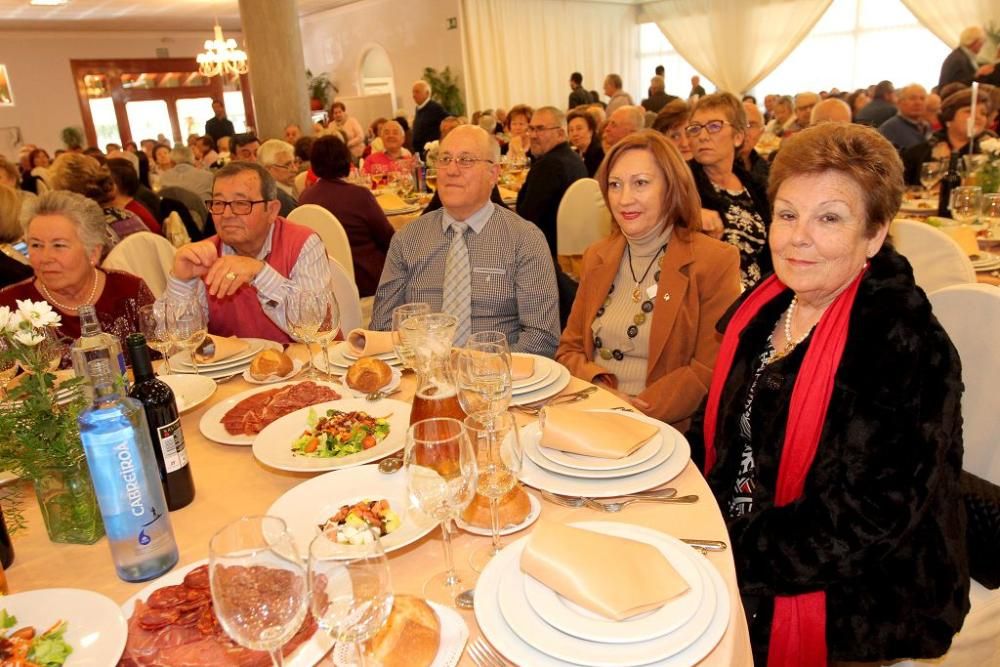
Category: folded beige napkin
[365,343]
[507,193]
[965,236]
[224,348]
[521,367]
[390,201]
[611,576]
[604,434]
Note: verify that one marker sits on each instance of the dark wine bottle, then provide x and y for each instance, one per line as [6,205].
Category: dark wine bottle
[6,546]
[164,425]
[951,180]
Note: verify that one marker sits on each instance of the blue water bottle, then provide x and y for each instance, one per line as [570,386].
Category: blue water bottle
[123,467]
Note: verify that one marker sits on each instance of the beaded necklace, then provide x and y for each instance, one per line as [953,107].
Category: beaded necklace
[90,297]
[645,307]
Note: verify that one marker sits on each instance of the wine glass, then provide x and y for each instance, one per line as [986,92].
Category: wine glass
[329,327]
[305,311]
[499,457]
[493,337]
[258,582]
[187,325]
[991,211]
[441,473]
[482,373]
[966,203]
[403,348]
[930,174]
[153,325]
[404,183]
[351,598]
[431,178]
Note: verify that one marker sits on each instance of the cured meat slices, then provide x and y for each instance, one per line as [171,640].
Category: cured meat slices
[253,413]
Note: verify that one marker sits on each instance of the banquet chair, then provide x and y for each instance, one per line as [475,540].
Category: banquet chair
[937,259]
[969,314]
[330,231]
[193,203]
[582,219]
[144,254]
[346,293]
[300,183]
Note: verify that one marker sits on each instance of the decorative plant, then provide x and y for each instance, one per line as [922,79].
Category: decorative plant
[72,137]
[989,173]
[320,86]
[445,89]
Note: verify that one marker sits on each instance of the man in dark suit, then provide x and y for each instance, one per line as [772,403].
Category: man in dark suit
[427,120]
[579,96]
[219,126]
[961,65]
[658,96]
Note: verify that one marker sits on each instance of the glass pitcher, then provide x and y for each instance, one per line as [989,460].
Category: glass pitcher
[430,337]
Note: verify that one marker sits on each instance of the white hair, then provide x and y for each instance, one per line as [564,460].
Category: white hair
[269,151]
[971,35]
[635,115]
[181,155]
[423,85]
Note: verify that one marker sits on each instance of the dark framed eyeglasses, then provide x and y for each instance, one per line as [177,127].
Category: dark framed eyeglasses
[538,129]
[464,161]
[238,207]
[712,127]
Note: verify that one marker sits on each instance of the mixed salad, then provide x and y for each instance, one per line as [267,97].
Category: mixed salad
[25,648]
[360,522]
[340,433]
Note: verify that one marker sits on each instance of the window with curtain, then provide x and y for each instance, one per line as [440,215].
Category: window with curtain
[855,44]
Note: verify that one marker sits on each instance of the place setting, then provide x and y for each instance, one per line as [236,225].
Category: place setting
[536,378]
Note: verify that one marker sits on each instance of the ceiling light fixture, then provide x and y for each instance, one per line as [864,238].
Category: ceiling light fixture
[221,56]
[48,3]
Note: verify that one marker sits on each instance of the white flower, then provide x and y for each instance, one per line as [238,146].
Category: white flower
[4,318]
[38,313]
[431,146]
[990,145]
[28,337]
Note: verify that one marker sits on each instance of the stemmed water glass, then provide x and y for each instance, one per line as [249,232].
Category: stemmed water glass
[258,582]
[482,373]
[499,457]
[404,349]
[329,327]
[931,173]
[991,211]
[153,325]
[187,325]
[305,311]
[966,203]
[441,473]
[351,598]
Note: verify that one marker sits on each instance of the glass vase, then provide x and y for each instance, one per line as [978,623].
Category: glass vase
[68,504]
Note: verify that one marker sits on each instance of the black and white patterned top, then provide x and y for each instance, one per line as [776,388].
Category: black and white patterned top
[745,229]
[741,502]
[513,277]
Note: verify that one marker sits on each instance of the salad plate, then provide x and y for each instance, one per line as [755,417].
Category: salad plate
[310,504]
[96,629]
[190,391]
[275,446]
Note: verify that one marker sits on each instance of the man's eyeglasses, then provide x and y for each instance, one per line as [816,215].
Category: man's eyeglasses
[712,126]
[288,165]
[463,161]
[536,129]
[238,207]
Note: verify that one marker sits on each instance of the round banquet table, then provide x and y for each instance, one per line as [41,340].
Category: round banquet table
[230,482]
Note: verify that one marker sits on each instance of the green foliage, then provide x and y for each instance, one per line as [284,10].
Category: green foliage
[445,90]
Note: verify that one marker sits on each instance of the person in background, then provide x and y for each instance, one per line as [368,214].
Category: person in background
[278,157]
[245,147]
[696,88]
[961,65]
[618,97]
[881,108]
[66,238]
[751,160]
[349,126]
[205,154]
[783,117]
[14,265]
[658,97]
[832,433]
[734,204]
[374,142]
[292,133]
[804,104]
[161,158]
[932,108]
[622,122]
[830,110]
[518,142]
[126,180]
[623,333]
[223,146]
[36,178]
[183,174]
[953,138]
[907,127]
[578,94]
[582,132]
[218,126]
[368,230]
[427,118]
[670,122]
[393,157]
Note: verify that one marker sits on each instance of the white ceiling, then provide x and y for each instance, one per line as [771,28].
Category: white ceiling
[135,14]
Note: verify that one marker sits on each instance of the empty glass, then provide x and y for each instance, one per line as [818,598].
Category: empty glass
[153,325]
[966,203]
[931,173]
[329,327]
[187,325]
[404,350]
[991,211]
[482,373]
[305,311]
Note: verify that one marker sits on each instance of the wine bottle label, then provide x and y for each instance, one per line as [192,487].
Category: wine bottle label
[172,445]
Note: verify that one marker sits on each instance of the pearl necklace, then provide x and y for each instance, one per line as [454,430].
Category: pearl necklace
[90,297]
[789,343]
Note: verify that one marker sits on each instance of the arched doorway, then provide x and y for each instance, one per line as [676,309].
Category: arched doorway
[375,73]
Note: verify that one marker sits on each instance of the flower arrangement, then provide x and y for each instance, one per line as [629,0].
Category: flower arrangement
[39,436]
[989,173]
[431,149]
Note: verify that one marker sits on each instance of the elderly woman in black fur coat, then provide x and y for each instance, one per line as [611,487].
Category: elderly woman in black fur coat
[832,433]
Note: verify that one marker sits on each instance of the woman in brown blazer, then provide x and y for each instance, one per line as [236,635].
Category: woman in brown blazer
[643,323]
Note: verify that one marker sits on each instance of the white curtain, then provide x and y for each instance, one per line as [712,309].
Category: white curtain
[523,51]
[948,18]
[735,43]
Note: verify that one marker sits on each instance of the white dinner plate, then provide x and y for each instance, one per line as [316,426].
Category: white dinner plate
[95,626]
[669,619]
[306,506]
[533,514]
[454,635]
[297,366]
[345,350]
[341,363]
[546,480]
[306,655]
[273,445]
[494,627]
[223,371]
[411,208]
[211,426]
[543,369]
[190,391]
[530,439]
[919,206]
[984,260]
[397,377]
[182,359]
[548,390]
[582,462]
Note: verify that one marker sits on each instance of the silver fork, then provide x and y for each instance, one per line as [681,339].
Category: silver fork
[580,501]
[534,410]
[613,507]
[378,395]
[484,655]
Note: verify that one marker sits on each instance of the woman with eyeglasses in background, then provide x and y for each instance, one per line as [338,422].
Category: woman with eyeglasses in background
[734,206]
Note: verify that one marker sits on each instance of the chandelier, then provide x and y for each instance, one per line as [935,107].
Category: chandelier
[221,56]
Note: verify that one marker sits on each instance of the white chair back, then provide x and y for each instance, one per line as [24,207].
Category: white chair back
[937,259]
[346,293]
[583,218]
[330,231]
[971,316]
[144,254]
[300,183]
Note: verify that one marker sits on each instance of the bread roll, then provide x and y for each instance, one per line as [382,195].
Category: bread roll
[411,636]
[368,374]
[514,508]
[270,363]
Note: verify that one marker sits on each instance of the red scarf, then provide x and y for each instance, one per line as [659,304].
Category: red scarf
[798,630]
